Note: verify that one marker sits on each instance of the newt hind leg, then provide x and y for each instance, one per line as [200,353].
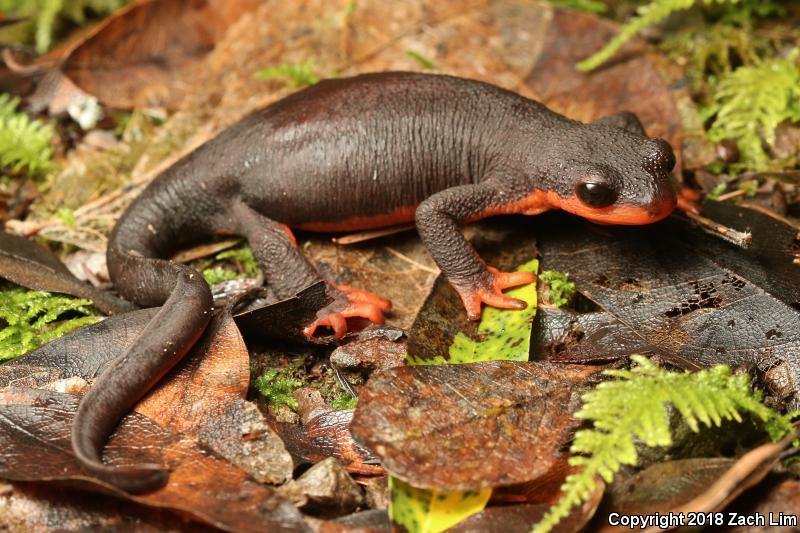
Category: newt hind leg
[287,272]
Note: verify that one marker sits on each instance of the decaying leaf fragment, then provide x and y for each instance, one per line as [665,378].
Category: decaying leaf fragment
[469,426]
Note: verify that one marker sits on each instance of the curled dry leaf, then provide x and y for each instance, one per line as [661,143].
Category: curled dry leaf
[465,427]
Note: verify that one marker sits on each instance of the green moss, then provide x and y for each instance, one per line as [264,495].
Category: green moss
[344,401]
[560,288]
[242,259]
[31,318]
[277,387]
[717,191]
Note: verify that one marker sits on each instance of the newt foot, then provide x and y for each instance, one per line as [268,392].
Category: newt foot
[688,201]
[488,289]
[349,303]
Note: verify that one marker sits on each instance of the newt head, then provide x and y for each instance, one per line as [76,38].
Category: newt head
[612,175]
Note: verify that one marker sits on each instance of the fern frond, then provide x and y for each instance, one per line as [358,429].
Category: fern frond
[634,407]
[31,318]
[658,10]
[646,15]
[44,15]
[297,75]
[750,102]
[24,143]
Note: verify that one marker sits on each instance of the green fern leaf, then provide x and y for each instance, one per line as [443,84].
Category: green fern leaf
[297,75]
[634,407]
[658,10]
[24,143]
[750,102]
[43,17]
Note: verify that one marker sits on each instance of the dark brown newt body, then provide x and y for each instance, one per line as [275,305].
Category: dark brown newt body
[349,154]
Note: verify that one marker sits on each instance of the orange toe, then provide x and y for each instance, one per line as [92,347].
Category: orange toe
[336,321]
[506,280]
[364,310]
[361,296]
[490,291]
[498,299]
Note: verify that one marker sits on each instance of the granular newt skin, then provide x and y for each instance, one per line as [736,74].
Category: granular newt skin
[350,154]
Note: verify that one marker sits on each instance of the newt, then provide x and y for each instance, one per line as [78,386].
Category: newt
[350,154]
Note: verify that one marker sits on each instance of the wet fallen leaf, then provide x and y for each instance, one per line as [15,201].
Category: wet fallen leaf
[22,509]
[777,497]
[467,427]
[286,319]
[521,518]
[746,472]
[663,486]
[686,296]
[569,337]
[503,335]
[442,318]
[33,266]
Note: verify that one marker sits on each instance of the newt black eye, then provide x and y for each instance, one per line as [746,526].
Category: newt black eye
[595,194]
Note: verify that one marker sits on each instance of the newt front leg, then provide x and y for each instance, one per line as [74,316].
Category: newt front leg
[438,220]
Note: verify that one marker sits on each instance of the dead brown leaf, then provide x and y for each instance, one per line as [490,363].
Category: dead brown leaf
[35,439]
[144,55]
[199,408]
[464,427]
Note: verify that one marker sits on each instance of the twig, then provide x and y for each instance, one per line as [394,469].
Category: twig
[787,176]
[732,194]
[739,238]
[410,261]
[362,236]
[770,213]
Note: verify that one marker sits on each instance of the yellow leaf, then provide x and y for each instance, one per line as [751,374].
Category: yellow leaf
[431,511]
